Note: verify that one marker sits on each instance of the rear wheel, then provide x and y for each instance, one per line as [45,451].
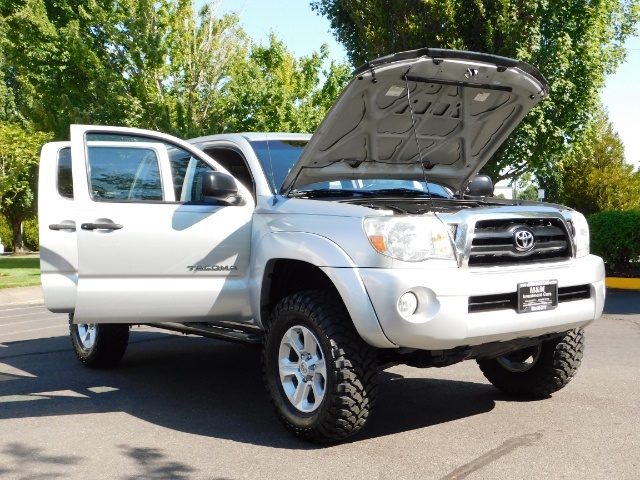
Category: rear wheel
[320,374]
[538,371]
[99,345]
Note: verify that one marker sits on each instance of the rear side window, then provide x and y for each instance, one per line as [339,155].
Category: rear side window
[65,179]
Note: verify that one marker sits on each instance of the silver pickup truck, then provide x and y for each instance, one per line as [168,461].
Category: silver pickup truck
[373,242]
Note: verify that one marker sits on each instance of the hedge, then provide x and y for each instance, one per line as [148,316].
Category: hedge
[615,236]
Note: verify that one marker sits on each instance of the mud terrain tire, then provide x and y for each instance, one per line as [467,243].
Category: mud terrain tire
[320,374]
[537,372]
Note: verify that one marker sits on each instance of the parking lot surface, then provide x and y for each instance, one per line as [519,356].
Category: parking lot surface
[181,407]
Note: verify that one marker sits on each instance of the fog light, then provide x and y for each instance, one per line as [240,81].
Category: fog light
[407,304]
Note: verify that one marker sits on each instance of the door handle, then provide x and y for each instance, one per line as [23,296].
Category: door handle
[100,226]
[63,226]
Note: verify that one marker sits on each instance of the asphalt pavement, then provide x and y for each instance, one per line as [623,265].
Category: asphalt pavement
[184,407]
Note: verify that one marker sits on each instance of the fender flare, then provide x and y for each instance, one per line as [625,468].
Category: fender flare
[334,262]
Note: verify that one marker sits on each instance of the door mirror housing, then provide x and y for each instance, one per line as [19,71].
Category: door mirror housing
[221,187]
[480,186]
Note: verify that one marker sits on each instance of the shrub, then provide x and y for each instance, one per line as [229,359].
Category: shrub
[615,236]
[6,237]
[30,236]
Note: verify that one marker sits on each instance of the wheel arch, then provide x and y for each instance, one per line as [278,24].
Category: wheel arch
[304,261]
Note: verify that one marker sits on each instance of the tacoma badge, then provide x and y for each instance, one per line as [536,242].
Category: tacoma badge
[211,268]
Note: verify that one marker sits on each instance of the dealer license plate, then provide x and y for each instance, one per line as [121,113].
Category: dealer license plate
[537,296]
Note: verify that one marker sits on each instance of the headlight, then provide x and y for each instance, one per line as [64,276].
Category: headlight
[580,233]
[411,239]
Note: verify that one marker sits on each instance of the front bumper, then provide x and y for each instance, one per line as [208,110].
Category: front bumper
[442,320]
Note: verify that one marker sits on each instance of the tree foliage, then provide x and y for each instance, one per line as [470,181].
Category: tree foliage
[271,90]
[595,175]
[175,64]
[526,188]
[575,44]
[58,62]
[19,158]
[154,64]
[134,62]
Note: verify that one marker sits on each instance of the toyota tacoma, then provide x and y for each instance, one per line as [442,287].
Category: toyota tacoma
[370,243]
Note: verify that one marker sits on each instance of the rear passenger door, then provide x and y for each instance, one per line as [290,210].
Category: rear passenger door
[56,218]
[150,247]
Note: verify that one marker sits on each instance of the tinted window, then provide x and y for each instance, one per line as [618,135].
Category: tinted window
[192,191]
[132,173]
[124,173]
[187,171]
[234,162]
[65,179]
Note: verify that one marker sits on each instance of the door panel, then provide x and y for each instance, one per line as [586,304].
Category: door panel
[56,216]
[174,256]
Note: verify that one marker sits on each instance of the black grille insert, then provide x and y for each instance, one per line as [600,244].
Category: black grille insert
[493,241]
[509,301]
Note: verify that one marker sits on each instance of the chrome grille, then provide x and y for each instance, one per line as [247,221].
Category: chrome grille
[493,241]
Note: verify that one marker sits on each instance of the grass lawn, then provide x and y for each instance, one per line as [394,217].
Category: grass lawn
[20,271]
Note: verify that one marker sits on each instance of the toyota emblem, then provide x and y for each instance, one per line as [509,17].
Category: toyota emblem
[523,239]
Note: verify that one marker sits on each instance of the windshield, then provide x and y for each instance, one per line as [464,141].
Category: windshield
[278,156]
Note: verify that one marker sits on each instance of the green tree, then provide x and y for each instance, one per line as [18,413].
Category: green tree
[157,65]
[60,63]
[526,188]
[19,158]
[595,175]
[576,45]
[175,64]
[271,90]
[7,108]
[137,63]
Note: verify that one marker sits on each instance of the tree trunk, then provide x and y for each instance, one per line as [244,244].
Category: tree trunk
[18,234]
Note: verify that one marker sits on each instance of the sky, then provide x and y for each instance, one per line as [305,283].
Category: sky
[303,31]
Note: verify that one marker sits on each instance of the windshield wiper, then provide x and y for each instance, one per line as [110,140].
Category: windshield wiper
[323,192]
[383,192]
[402,192]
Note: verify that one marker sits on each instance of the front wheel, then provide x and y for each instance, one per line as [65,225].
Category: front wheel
[321,376]
[99,345]
[538,371]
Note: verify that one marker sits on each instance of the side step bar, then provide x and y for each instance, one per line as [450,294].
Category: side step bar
[223,331]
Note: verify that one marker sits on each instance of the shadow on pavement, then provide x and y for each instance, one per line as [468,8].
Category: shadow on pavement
[23,461]
[153,462]
[204,387]
[17,454]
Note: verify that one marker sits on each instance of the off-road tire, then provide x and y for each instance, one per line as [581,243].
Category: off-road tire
[351,367]
[106,348]
[556,364]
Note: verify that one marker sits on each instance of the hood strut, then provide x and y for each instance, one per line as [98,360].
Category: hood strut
[415,136]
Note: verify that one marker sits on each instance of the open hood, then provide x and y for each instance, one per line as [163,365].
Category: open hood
[457,106]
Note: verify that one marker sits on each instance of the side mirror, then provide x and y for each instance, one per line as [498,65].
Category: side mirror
[480,186]
[220,186]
